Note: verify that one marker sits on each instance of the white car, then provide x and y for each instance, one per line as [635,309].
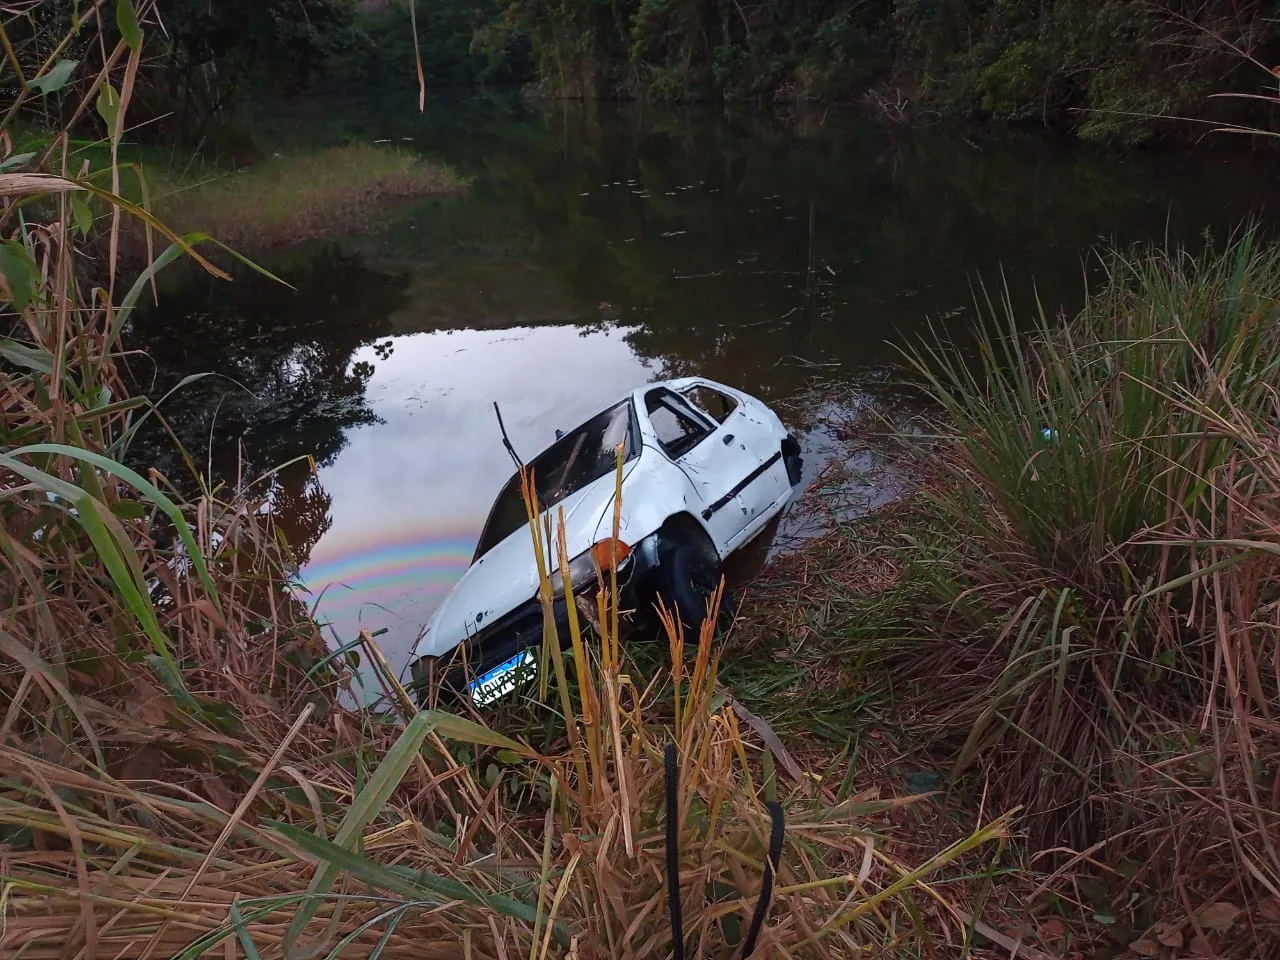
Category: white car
[706,467]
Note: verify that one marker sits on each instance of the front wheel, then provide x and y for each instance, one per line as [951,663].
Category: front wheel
[688,578]
[793,460]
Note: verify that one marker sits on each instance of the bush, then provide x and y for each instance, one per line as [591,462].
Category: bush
[1099,558]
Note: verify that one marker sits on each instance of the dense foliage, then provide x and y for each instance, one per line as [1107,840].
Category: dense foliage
[206,55]
[459,43]
[1116,70]
[214,49]
[1104,69]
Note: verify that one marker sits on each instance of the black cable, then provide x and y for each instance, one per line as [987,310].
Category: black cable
[673,853]
[778,820]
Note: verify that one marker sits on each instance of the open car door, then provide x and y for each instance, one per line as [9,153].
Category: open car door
[731,479]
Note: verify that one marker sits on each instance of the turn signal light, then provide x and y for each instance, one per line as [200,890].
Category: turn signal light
[609,553]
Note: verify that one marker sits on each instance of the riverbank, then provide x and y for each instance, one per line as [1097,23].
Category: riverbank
[1070,621]
[186,778]
[1075,616]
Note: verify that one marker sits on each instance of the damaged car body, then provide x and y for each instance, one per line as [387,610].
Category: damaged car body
[705,469]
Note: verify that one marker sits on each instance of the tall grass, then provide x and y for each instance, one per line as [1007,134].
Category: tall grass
[1077,610]
[1100,563]
[179,775]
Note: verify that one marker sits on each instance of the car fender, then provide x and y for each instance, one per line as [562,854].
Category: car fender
[654,491]
[665,510]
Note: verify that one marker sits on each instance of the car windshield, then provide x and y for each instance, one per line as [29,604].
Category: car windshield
[579,457]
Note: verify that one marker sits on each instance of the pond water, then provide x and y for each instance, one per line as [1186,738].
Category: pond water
[598,248]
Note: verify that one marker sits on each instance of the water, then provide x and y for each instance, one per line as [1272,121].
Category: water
[599,248]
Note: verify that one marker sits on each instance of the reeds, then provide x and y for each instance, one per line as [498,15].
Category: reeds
[179,775]
[1088,468]
[1078,612]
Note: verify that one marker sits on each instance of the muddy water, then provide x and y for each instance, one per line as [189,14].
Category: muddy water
[598,249]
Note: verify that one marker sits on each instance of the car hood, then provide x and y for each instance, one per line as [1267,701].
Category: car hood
[507,575]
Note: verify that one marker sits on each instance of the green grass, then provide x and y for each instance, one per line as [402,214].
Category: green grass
[292,199]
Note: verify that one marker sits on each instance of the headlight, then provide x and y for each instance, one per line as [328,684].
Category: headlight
[608,554]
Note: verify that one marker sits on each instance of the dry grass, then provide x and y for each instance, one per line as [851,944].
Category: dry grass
[232,803]
[1193,828]
[154,873]
[1087,624]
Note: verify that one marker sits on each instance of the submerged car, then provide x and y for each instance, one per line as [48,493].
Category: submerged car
[705,469]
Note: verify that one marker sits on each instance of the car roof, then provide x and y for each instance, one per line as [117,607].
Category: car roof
[678,383]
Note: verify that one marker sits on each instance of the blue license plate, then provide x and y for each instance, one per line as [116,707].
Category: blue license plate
[502,679]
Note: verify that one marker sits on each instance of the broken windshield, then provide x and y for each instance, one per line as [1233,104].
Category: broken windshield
[579,457]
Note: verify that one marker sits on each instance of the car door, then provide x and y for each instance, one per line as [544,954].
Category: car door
[767,482]
[710,456]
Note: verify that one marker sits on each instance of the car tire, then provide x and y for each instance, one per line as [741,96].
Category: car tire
[687,579]
[793,460]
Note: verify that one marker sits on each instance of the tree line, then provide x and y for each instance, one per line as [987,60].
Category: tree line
[1113,70]
[1103,69]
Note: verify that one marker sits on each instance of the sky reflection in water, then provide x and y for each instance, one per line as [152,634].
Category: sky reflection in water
[411,493]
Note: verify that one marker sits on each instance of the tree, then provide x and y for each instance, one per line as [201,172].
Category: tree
[213,50]
[286,382]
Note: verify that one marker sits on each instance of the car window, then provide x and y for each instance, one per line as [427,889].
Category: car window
[715,404]
[577,458]
[676,426]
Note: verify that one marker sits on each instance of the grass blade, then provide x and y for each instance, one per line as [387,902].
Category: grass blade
[453,727]
[367,805]
[242,933]
[135,599]
[414,884]
[139,483]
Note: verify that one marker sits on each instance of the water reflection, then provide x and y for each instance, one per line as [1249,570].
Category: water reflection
[598,249]
[411,492]
[277,377]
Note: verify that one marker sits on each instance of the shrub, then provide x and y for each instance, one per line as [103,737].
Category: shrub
[1101,559]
